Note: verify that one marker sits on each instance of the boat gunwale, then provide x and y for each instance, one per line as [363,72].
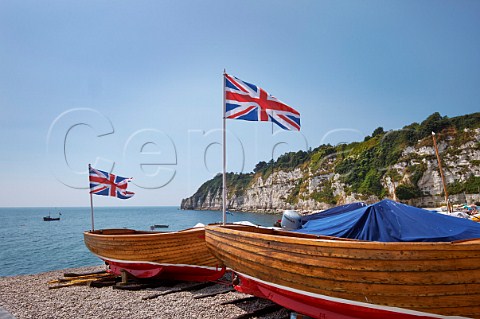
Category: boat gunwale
[320,240]
[311,259]
[138,233]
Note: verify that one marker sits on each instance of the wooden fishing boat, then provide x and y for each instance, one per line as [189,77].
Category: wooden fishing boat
[331,277]
[180,255]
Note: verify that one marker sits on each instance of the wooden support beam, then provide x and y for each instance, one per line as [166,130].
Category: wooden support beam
[215,293]
[174,290]
[260,312]
[235,301]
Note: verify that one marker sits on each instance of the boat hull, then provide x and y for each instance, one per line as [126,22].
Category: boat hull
[49,219]
[326,277]
[179,255]
[321,306]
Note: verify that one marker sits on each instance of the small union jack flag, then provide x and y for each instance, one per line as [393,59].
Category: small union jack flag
[245,101]
[103,183]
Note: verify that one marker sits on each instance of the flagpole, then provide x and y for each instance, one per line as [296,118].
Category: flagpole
[271,188]
[91,200]
[224,144]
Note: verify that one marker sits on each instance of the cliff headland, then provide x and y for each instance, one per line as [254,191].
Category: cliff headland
[398,164]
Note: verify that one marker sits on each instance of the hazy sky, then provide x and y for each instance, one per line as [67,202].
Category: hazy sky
[137,85]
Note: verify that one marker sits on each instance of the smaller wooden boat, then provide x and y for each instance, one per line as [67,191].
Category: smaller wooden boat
[181,255]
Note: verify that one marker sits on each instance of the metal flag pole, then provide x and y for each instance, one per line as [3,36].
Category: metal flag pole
[91,199]
[224,145]
[271,162]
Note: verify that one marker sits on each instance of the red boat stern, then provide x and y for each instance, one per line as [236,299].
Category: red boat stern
[166,271]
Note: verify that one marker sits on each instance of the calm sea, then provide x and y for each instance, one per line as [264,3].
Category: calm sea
[29,245]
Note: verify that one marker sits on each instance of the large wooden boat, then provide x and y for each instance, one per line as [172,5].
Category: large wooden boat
[331,277]
[180,255]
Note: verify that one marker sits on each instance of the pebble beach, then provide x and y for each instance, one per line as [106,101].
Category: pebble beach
[29,296]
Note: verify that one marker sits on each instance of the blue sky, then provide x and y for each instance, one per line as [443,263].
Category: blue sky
[125,83]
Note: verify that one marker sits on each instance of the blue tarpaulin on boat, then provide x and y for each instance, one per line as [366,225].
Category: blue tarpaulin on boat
[389,221]
[333,211]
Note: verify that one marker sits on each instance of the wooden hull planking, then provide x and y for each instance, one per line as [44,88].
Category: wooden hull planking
[181,255]
[427,278]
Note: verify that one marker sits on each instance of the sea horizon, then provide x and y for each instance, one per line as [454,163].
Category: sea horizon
[30,245]
[88,206]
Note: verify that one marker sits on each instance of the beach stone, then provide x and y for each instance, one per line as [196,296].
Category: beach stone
[28,296]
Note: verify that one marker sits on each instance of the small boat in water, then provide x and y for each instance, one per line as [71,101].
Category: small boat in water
[180,255]
[332,277]
[158,226]
[49,218]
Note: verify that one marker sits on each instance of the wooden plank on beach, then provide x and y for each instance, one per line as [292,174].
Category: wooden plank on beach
[260,312]
[174,290]
[214,293]
[240,300]
[138,285]
[72,274]
[72,283]
[81,279]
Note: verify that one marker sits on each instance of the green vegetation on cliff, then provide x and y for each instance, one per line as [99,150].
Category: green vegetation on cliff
[470,186]
[362,166]
[236,184]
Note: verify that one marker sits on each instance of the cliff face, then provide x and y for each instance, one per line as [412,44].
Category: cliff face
[383,166]
[460,162]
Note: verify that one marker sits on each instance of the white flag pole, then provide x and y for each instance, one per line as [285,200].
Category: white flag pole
[91,199]
[224,144]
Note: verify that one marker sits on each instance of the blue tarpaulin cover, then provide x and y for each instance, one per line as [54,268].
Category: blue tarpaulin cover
[389,221]
[333,211]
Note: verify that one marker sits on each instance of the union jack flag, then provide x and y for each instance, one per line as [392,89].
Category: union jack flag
[103,183]
[245,101]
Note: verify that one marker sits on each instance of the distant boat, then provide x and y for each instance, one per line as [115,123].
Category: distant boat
[49,218]
[180,255]
[158,226]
